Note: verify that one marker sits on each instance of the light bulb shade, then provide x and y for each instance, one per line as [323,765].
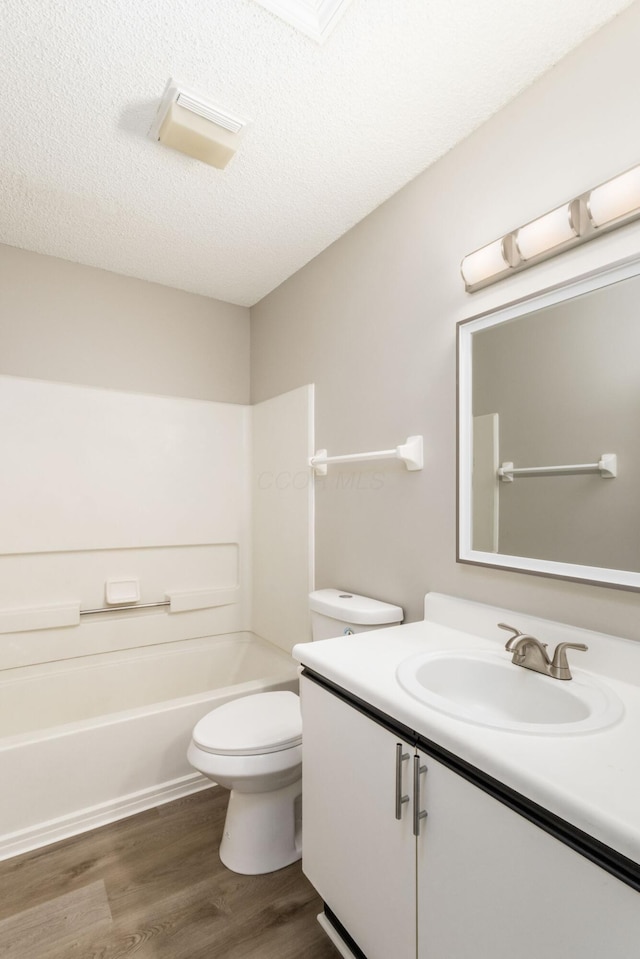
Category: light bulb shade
[486,262]
[546,232]
[198,137]
[616,198]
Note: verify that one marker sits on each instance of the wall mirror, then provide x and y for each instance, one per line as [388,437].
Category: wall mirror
[549,432]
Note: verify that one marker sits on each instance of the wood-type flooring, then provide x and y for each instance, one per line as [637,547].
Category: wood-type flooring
[153,887]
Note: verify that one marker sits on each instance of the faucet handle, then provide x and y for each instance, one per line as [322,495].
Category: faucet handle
[517,634]
[559,668]
[512,640]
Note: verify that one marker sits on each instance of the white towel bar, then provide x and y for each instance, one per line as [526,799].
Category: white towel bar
[410,453]
[607,466]
[53,617]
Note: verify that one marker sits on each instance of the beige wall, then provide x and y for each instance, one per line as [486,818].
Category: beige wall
[76,324]
[282,517]
[372,322]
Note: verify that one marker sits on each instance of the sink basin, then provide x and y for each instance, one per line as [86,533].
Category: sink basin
[487,689]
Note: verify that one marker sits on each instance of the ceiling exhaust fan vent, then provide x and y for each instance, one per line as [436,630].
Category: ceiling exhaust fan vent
[209,112]
[189,123]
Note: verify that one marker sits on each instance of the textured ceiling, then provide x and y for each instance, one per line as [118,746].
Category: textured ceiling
[336,128]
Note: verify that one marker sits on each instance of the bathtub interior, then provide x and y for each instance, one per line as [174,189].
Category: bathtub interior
[44,696]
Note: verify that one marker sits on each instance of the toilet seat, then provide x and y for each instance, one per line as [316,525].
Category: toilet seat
[251,726]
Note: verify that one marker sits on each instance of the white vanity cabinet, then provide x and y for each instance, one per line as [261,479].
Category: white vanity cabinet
[359,857]
[480,881]
[493,885]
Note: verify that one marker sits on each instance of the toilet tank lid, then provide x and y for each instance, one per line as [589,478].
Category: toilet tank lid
[351,608]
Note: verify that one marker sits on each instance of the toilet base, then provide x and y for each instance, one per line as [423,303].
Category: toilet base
[263,831]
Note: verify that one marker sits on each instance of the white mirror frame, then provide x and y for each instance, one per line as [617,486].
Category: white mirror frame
[619,578]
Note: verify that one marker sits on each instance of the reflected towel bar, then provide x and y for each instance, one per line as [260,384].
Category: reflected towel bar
[607,467]
[410,453]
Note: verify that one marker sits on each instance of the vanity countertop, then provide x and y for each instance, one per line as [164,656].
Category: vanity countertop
[591,780]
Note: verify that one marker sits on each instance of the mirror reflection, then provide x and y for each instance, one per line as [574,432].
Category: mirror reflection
[549,455]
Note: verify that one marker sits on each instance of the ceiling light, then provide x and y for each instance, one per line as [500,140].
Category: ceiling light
[187,122]
[616,198]
[315,18]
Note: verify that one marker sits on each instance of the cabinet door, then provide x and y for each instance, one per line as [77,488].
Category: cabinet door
[492,885]
[359,857]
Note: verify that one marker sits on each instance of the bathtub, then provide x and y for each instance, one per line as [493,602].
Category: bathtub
[86,741]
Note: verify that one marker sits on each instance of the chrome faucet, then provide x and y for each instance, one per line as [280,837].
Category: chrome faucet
[532,654]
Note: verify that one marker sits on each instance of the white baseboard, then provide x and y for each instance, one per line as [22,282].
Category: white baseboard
[43,834]
[335,938]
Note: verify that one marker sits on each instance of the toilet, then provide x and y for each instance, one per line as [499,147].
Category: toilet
[253,747]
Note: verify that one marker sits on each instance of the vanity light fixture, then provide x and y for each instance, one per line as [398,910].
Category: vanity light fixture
[615,199]
[186,122]
[490,260]
[548,231]
[604,208]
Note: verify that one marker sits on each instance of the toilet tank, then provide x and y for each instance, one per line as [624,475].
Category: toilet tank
[336,612]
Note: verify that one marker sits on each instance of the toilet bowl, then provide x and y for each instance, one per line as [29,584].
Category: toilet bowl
[253,747]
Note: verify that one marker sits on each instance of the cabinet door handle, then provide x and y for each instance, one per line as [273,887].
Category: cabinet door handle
[400,799]
[418,813]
